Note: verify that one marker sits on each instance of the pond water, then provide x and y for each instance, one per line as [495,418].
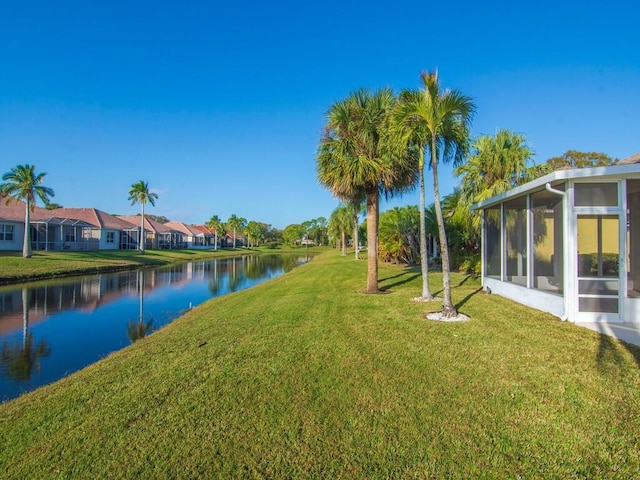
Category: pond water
[70,323]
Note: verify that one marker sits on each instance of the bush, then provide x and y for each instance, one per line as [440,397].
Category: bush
[272,245]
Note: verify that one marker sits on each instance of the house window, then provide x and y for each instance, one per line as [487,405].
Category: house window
[6,233]
[493,233]
[111,237]
[547,240]
[69,234]
[515,225]
[596,195]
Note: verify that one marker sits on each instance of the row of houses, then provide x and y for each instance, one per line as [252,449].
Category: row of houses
[92,229]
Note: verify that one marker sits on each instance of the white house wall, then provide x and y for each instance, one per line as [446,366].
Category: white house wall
[547,302]
[18,237]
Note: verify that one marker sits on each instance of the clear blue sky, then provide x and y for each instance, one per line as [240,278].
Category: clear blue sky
[220,105]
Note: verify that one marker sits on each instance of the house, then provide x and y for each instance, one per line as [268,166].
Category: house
[568,243]
[192,237]
[63,228]
[157,235]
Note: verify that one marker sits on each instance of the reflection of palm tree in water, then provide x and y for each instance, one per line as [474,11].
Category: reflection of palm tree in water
[19,360]
[140,329]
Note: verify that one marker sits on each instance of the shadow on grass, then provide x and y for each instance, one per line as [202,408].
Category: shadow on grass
[609,357]
[399,282]
[461,303]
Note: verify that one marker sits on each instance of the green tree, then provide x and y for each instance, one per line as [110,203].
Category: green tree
[354,157]
[400,235]
[255,232]
[339,224]
[140,193]
[576,159]
[23,183]
[235,224]
[216,225]
[292,234]
[444,118]
[497,164]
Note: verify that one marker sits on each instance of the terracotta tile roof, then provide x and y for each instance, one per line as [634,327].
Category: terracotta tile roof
[184,228]
[94,217]
[14,211]
[632,159]
[202,229]
[149,223]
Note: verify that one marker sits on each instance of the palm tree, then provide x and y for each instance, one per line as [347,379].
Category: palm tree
[354,157]
[216,225]
[235,224]
[496,165]
[440,121]
[22,183]
[19,360]
[339,224]
[139,193]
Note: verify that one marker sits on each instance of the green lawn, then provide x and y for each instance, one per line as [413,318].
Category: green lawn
[303,377]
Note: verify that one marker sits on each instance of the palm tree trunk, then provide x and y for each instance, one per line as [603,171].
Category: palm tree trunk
[26,246]
[372,241]
[424,260]
[448,310]
[355,234]
[343,241]
[142,239]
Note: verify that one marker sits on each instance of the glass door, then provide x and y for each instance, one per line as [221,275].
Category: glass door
[598,267]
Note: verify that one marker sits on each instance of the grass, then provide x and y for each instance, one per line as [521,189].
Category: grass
[15,268]
[302,377]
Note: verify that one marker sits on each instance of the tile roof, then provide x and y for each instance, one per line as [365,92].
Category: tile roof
[94,217]
[14,211]
[149,223]
[184,228]
[632,159]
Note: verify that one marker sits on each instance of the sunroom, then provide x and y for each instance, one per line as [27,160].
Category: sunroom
[568,243]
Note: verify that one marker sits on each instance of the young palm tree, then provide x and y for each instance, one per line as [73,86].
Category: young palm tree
[22,183]
[353,157]
[440,121]
[216,225]
[139,193]
[339,224]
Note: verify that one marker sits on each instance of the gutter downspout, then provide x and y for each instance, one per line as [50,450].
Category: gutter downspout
[553,190]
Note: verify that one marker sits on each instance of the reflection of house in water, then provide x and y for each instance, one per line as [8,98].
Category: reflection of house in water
[89,292]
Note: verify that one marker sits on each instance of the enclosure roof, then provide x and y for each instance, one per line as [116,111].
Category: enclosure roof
[629,167]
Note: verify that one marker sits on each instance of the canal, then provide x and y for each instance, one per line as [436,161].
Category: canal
[51,329]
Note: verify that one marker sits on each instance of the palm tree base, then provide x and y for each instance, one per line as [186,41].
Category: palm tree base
[441,316]
[375,292]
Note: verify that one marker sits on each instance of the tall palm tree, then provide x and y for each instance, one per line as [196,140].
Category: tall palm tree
[353,157]
[235,224]
[216,225]
[440,121]
[22,183]
[140,193]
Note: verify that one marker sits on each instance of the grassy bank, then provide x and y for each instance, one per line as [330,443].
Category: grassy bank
[302,377]
[14,268]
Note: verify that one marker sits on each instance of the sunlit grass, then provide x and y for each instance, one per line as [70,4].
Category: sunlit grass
[302,377]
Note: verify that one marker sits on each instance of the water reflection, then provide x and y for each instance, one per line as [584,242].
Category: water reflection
[20,358]
[50,329]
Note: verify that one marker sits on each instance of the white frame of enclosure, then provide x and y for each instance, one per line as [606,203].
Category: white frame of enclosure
[565,305]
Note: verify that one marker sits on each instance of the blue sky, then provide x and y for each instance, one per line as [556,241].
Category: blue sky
[220,105]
